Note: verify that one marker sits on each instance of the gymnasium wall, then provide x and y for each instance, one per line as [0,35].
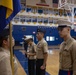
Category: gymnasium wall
[51,36]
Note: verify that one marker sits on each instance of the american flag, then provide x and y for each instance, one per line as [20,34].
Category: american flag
[55,3]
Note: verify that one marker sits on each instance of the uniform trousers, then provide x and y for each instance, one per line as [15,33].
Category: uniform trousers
[39,63]
[63,72]
[31,66]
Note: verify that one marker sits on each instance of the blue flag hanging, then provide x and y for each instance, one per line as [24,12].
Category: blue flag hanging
[8,9]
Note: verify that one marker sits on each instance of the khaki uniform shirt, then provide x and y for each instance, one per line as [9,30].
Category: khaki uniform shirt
[42,47]
[68,55]
[32,49]
[5,66]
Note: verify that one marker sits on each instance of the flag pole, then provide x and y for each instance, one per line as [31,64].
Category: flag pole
[11,49]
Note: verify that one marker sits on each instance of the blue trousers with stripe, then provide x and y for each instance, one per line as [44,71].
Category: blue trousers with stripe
[62,72]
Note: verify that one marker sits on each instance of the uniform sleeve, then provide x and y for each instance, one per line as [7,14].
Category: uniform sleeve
[5,67]
[34,48]
[15,67]
[45,47]
[28,48]
[74,58]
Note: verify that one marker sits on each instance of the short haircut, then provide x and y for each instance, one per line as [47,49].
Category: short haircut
[1,40]
[31,39]
[4,36]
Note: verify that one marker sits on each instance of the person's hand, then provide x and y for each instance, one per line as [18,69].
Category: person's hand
[43,67]
[28,53]
[25,52]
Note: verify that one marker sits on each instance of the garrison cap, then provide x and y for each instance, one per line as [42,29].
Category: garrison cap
[5,33]
[64,23]
[27,38]
[41,30]
[24,37]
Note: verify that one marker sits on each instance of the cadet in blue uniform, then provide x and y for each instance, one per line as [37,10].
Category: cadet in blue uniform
[41,53]
[67,55]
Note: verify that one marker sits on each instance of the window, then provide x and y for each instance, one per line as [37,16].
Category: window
[40,10]
[52,38]
[45,11]
[47,38]
[22,18]
[40,20]
[34,10]
[29,9]
[45,20]
[28,19]
[16,18]
[34,19]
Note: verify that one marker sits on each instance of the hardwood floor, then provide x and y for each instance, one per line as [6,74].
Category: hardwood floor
[53,62]
[20,70]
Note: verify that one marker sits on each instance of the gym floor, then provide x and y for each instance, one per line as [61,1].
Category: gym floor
[52,62]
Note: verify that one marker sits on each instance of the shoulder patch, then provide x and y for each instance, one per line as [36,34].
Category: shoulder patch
[45,44]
